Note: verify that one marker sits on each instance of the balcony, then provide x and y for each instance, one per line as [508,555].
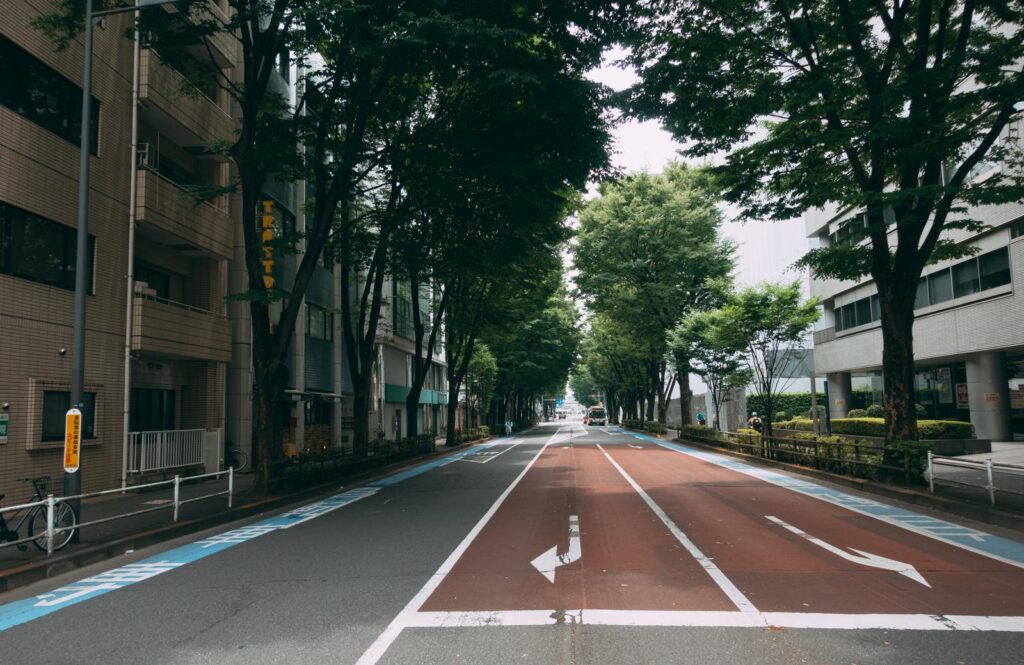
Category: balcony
[166,329]
[187,224]
[191,120]
[824,336]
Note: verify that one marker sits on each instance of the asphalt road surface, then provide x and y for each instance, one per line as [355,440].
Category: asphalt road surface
[563,545]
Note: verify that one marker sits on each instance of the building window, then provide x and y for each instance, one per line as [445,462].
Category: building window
[876,308]
[39,249]
[154,279]
[39,94]
[319,322]
[403,310]
[1017,229]
[152,410]
[994,268]
[55,407]
[921,299]
[965,279]
[940,288]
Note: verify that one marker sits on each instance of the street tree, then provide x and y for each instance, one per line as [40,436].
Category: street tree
[890,110]
[701,345]
[583,387]
[481,376]
[770,324]
[648,251]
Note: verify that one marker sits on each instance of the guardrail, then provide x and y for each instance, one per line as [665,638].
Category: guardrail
[994,477]
[165,449]
[51,501]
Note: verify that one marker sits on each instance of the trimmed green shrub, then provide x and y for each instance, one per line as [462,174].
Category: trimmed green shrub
[917,451]
[857,413]
[920,411]
[698,432]
[809,414]
[927,429]
[874,411]
[800,402]
[655,427]
[781,415]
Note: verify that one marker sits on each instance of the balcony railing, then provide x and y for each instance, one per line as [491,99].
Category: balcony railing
[162,89]
[166,328]
[168,207]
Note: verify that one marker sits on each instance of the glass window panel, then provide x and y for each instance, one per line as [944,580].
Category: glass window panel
[876,308]
[965,278]
[39,249]
[1016,231]
[55,406]
[995,268]
[863,307]
[940,288]
[921,299]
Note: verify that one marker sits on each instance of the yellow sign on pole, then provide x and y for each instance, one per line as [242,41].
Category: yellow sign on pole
[72,439]
[268,249]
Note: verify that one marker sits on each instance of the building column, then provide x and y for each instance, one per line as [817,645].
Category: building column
[840,393]
[988,392]
[298,363]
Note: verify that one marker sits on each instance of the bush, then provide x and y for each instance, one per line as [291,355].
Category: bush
[698,432]
[875,411]
[781,415]
[800,403]
[633,423]
[655,427]
[810,412]
[917,451]
[920,411]
[857,413]
[803,424]
[927,429]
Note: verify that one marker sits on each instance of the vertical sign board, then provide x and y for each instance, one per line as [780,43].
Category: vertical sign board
[4,419]
[72,439]
[268,249]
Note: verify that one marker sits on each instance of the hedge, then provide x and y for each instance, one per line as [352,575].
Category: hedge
[699,432]
[927,429]
[652,426]
[791,403]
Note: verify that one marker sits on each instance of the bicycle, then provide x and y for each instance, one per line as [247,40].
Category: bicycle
[64,517]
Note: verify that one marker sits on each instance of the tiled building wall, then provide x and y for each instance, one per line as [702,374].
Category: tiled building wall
[39,173]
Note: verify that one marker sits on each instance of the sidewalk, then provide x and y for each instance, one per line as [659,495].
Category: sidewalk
[110,539]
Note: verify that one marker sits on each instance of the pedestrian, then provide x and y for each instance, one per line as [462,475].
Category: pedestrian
[700,418]
[755,422]
[508,427]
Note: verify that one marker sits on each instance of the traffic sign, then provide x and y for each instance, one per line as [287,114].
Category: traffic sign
[72,439]
[4,419]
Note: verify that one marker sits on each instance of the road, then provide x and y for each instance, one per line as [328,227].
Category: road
[563,545]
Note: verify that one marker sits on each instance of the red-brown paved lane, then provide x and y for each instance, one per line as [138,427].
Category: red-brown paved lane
[629,560]
[723,512]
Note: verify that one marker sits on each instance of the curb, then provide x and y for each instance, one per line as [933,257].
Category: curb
[34,571]
[978,512]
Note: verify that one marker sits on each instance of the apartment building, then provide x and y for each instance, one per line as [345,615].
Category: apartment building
[157,293]
[968,330]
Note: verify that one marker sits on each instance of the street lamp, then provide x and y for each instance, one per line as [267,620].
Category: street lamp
[73,479]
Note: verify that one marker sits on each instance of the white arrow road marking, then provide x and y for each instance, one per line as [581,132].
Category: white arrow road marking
[547,563]
[861,557]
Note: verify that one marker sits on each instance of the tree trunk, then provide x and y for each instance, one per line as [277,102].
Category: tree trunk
[898,364]
[685,399]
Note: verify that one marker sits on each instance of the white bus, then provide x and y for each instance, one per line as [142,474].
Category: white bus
[596,416]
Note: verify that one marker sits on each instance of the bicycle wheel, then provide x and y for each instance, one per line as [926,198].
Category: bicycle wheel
[63,518]
[239,460]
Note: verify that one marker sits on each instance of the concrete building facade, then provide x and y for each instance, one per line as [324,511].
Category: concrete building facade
[968,329]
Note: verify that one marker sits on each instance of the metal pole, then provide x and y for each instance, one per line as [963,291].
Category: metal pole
[814,405]
[73,481]
[231,484]
[49,525]
[130,302]
[991,483]
[177,496]
[828,410]
[931,473]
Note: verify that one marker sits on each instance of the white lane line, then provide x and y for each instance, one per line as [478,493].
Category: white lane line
[948,622]
[723,582]
[488,458]
[860,557]
[405,617]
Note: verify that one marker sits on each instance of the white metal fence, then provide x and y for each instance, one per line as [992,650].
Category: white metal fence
[24,512]
[994,477]
[166,449]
